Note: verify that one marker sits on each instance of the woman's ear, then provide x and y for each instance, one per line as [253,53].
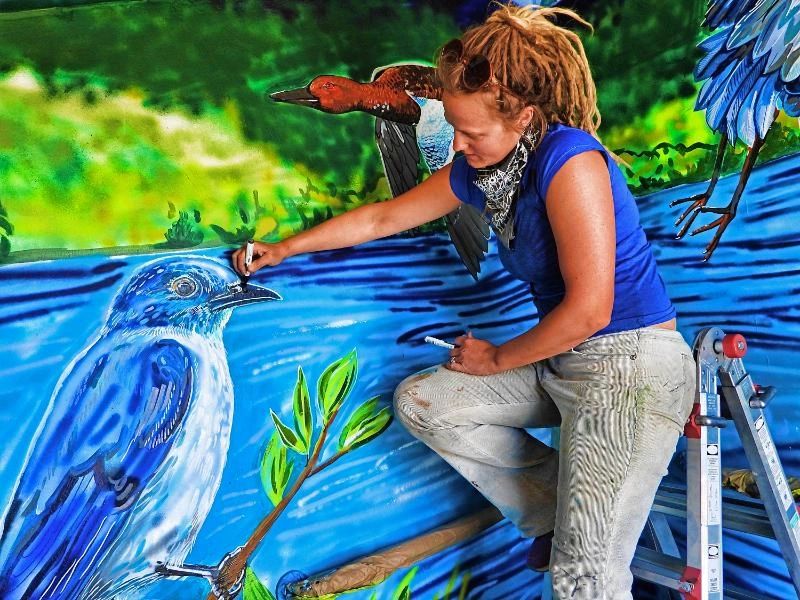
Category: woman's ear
[524,118]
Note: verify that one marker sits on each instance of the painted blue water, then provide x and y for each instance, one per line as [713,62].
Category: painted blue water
[382,299]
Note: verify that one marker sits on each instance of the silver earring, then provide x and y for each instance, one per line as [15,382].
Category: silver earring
[530,134]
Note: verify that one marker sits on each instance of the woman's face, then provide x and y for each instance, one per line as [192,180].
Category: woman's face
[481,133]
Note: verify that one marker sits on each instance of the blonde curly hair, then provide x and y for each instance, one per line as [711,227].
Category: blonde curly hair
[542,63]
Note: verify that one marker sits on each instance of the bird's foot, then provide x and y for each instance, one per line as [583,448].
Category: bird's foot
[226,579]
[726,216]
[698,203]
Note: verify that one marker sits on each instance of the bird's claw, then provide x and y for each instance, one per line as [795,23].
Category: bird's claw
[698,202]
[230,576]
[226,579]
[721,224]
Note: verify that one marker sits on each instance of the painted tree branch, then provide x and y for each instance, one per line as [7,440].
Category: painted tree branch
[374,569]
[238,563]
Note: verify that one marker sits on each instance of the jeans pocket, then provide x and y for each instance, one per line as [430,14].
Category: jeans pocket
[668,382]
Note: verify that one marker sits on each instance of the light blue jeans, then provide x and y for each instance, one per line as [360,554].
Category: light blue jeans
[621,401]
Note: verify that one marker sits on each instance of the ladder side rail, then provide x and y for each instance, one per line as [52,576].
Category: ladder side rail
[737,388]
[704,479]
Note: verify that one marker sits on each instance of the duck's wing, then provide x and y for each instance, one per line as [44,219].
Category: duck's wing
[109,431]
[399,151]
[400,157]
[469,233]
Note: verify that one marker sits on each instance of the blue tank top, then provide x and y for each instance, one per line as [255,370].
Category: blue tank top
[640,297]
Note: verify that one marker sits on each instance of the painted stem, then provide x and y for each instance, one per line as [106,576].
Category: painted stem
[240,560]
[330,461]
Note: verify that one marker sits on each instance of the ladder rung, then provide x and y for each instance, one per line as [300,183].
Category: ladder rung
[739,512]
[658,568]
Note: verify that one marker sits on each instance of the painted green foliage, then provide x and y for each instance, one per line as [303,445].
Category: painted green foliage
[254,589]
[333,388]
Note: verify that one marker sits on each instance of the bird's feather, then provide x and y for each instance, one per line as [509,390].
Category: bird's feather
[111,424]
[739,65]
[715,58]
[721,13]
[470,235]
[399,153]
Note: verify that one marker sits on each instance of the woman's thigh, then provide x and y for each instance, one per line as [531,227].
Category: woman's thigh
[440,398]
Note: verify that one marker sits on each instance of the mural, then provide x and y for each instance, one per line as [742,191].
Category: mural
[160,444]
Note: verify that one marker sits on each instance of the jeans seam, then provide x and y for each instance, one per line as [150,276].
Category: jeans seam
[478,450]
[615,520]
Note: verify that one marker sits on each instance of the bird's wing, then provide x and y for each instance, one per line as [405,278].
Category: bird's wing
[470,235]
[399,154]
[722,13]
[774,28]
[110,428]
[739,94]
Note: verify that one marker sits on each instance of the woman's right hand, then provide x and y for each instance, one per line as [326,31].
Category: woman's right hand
[263,255]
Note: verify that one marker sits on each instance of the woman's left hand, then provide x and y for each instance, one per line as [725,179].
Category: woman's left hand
[474,356]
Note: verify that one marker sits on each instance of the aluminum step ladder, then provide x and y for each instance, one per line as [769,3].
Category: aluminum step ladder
[725,392]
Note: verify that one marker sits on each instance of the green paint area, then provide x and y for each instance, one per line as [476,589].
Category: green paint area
[111,173]
[150,126]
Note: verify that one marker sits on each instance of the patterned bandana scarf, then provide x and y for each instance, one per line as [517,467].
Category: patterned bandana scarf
[500,185]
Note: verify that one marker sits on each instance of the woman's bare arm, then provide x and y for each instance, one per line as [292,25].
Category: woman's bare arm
[429,200]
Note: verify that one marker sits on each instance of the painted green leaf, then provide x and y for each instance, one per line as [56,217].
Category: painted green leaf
[365,430]
[253,588]
[288,436]
[362,413]
[275,472]
[172,210]
[5,246]
[303,415]
[403,589]
[335,384]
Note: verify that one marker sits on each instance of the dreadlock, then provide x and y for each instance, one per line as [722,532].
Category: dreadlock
[542,63]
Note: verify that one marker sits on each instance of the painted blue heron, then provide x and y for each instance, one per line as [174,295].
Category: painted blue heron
[751,69]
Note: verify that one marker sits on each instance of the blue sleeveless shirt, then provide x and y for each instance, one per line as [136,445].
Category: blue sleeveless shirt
[640,297]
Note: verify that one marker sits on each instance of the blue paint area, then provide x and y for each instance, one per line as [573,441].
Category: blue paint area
[383,298]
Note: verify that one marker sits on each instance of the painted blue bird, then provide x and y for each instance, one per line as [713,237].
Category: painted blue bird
[406,101]
[751,69]
[129,456]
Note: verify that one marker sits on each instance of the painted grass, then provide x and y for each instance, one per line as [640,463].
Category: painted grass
[110,173]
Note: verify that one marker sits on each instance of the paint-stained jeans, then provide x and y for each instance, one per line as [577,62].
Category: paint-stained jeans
[621,400]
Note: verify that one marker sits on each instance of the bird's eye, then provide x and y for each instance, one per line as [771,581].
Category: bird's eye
[184,286]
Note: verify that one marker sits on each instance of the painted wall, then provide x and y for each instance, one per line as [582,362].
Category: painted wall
[157,415]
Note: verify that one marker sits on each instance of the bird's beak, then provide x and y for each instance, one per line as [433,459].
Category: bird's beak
[239,294]
[300,96]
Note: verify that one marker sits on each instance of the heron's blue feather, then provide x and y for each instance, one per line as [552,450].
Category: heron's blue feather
[721,13]
[747,65]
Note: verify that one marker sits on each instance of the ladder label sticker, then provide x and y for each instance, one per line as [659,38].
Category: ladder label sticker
[774,467]
[714,484]
[714,568]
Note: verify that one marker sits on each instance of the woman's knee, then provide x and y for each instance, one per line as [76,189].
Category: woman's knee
[411,404]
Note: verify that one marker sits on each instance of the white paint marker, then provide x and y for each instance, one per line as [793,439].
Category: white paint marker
[438,342]
[248,253]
